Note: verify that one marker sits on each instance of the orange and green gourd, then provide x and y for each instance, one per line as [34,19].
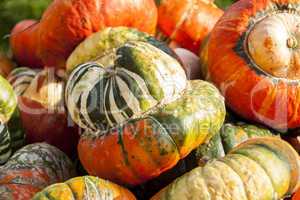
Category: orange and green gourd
[140,113]
[86,187]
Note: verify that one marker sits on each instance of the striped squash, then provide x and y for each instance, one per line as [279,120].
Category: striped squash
[82,188]
[5,144]
[136,105]
[20,78]
[31,169]
[43,113]
[261,168]
[145,147]
[8,100]
[228,137]
[125,83]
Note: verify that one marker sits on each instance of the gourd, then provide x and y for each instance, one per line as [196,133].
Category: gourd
[260,168]
[139,112]
[188,22]
[229,136]
[86,187]
[8,100]
[253,59]
[32,168]
[42,110]
[66,23]
[24,44]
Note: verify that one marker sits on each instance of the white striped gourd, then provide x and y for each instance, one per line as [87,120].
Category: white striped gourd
[135,104]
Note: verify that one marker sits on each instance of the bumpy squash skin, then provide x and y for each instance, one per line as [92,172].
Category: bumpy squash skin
[24,44]
[144,148]
[86,187]
[8,100]
[261,168]
[31,169]
[250,92]
[188,22]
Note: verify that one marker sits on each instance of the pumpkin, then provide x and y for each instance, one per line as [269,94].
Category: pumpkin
[31,169]
[24,45]
[260,168]
[228,137]
[137,106]
[6,65]
[8,100]
[66,23]
[188,22]
[256,68]
[43,114]
[86,187]
[296,195]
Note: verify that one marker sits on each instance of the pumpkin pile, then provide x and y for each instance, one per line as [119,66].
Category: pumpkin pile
[144,99]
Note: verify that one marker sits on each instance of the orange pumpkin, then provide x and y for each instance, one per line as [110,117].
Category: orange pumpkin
[253,57]
[296,195]
[188,22]
[66,23]
[23,42]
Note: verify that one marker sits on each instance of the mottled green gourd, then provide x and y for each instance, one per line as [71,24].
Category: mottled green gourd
[134,101]
[229,136]
[82,188]
[265,168]
[8,100]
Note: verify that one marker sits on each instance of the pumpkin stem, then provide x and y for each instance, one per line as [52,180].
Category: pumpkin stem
[292,42]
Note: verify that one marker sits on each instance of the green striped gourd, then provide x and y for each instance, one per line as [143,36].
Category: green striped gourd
[265,168]
[20,78]
[229,136]
[82,188]
[135,103]
[33,168]
[5,144]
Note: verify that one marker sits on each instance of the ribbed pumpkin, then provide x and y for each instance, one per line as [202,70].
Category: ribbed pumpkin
[31,169]
[86,187]
[253,56]
[5,144]
[188,22]
[66,23]
[42,110]
[24,43]
[261,168]
[140,113]
[229,137]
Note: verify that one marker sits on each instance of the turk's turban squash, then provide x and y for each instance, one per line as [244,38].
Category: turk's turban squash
[31,169]
[42,110]
[140,113]
[253,56]
[86,187]
[188,22]
[260,168]
[66,23]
